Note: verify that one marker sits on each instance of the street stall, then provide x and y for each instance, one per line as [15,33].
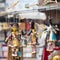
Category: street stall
[29,31]
[26,37]
[22,36]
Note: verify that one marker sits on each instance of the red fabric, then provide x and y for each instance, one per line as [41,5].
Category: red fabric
[28,26]
[46,54]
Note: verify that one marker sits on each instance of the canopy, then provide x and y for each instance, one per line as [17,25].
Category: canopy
[33,15]
[28,15]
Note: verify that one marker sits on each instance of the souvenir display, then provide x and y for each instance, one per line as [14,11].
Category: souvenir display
[50,43]
[30,40]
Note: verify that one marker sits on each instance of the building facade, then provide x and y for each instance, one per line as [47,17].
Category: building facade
[51,9]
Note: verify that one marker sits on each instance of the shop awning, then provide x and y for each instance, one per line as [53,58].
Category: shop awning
[51,6]
[27,14]
[33,15]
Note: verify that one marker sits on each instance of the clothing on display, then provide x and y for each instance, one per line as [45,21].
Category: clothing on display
[52,36]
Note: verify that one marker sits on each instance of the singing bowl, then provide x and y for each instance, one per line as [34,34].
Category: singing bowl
[57,57]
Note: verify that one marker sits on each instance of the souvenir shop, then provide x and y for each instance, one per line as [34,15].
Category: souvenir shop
[19,38]
[30,37]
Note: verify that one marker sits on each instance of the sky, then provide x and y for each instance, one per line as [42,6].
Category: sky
[21,5]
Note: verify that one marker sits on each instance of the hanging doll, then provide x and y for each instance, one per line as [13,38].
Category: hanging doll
[13,36]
